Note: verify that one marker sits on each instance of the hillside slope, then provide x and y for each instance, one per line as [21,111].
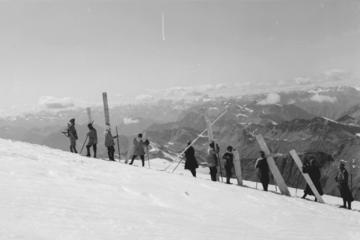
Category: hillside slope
[51,194]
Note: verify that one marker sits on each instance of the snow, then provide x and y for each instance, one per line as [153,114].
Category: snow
[129,120]
[241,115]
[51,194]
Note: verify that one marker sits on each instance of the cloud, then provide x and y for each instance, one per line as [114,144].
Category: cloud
[323,98]
[337,75]
[302,81]
[144,98]
[55,103]
[271,98]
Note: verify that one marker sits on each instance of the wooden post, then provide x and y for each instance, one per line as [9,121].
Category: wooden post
[308,180]
[279,180]
[88,110]
[237,166]
[106,109]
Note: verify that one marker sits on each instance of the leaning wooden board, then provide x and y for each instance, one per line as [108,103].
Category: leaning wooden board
[272,165]
[308,180]
[237,166]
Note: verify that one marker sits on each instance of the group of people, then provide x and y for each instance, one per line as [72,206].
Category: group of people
[92,141]
[213,161]
[310,167]
[263,171]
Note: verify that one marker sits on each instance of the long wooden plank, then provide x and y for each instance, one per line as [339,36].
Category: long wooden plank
[88,110]
[237,166]
[308,180]
[106,109]
[272,165]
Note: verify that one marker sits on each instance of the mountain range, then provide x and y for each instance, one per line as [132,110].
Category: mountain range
[319,122]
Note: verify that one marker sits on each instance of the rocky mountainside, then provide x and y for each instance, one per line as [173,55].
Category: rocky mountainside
[285,127]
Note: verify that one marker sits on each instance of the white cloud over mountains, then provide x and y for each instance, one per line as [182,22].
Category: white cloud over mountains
[50,102]
[271,98]
[330,77]
[323,98]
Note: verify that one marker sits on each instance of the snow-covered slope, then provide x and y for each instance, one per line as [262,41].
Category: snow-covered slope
[50,194]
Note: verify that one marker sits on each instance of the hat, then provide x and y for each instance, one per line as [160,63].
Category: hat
[72,120]
[342,162]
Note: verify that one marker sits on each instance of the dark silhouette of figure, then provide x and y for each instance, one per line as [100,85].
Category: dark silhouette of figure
[72,135]
[110,144]
[263,170]
[93,139]
[190,161]
[342,178]
[229,163]
[139,149]
[212,161]
[311,168]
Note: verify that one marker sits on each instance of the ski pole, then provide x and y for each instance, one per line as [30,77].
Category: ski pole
[221,176]
[82,148]
[147,153]
[118,144]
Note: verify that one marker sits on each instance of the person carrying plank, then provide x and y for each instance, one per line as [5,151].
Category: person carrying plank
[212,160]
[72,135]
[229,163]
[263,170]
[109,143]
[311,168]
[342,179]
[93,139]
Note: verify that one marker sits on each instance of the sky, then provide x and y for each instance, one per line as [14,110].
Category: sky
[72,51]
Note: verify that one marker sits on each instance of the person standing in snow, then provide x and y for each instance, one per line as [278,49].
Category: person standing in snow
[342,178]
[93,139]
[263,170]
[314,172]
[229,163]
[109,143]
[190,160]
[139,149]
[72,135]
[212,161]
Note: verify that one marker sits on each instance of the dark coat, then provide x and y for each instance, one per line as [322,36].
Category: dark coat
[190,160]
[71,132]
[109,139]
[139,146]
[342,179]
[92,135]
[211,158]
[229,159]
[263,170]
[315,175]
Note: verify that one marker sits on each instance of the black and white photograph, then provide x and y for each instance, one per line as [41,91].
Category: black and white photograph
[179,119]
